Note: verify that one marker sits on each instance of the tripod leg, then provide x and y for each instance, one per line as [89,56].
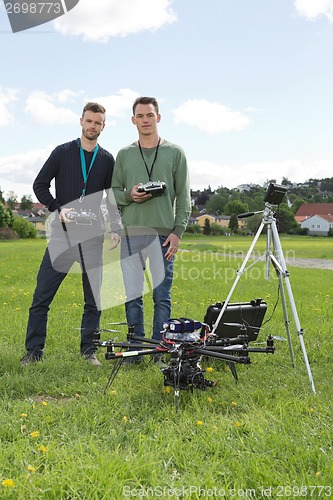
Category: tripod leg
[281,260]
[278,269]
[240,272]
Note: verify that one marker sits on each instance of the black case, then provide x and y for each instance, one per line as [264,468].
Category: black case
[248,314]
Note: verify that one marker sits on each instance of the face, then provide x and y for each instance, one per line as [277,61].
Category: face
[92,124]
[146,119]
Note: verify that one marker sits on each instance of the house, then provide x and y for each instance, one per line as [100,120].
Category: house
[318,225]
[221,220]
[307,210]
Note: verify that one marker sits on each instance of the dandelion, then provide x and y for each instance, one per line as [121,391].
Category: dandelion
[125,419]
[210,369]
[209,399]
[215,427]
[199,422]
[24,415]
[31,468]
[34,434]
[311,410]
[44,403]
[233,403]
[167,390]
[43,448]
[318,474]
[238,424]
[8,483]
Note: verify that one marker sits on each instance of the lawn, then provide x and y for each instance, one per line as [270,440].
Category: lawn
[268,435]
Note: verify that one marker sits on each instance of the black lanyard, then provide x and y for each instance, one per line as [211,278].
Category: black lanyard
[149,172]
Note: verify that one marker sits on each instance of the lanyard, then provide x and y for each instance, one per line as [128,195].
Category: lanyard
[149,172]
[84,170]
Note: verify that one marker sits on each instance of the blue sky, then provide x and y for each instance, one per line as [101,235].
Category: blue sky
[244,86]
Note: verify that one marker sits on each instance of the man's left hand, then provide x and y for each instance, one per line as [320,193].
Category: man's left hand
[173,241]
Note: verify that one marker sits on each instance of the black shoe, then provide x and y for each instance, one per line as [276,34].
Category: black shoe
[133,360]
[30,359]
[92,360]
[159,361]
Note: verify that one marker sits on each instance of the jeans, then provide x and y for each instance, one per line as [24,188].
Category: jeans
[56,263]
[135,250]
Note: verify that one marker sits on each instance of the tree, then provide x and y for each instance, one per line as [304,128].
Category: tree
[26,202]
[206,229]
[285,219]
[2,199]
[11,200]
[233,223]
[24,228]
[236,207]
[5,216]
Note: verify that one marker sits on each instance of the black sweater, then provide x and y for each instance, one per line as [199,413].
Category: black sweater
[64,166]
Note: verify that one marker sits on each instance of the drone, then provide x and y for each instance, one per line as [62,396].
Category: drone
[187,342]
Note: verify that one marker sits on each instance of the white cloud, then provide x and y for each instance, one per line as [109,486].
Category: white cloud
[206,173]
[7,96]
[100,20]
[210,117]
[18,172]
[118,105]
[44,109]
[314,8]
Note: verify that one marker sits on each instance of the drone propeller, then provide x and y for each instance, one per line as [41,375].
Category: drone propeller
[100,330]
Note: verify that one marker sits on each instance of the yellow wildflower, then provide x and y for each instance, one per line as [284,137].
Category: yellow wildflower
[31,468]
[199,422]
[24,414]
[34,434]
[210,369]
[43,448]
[8,483]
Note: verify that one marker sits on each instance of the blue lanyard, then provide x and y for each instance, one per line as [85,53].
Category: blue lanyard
[85,174]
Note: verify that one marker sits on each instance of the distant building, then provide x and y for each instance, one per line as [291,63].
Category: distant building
[307,210]
[221,220]
[318,225]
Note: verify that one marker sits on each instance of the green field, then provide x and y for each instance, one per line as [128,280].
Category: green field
[266,436]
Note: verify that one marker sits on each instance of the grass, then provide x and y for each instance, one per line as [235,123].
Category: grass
[63,438]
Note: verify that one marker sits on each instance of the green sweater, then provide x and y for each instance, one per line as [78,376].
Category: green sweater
[167,213]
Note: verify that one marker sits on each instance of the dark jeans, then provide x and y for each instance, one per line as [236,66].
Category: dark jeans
[56,263]
[135,251]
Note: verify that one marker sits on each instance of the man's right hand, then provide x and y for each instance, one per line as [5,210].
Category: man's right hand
[63,213]
[138,196]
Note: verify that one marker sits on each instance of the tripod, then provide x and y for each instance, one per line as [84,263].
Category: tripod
[276,258]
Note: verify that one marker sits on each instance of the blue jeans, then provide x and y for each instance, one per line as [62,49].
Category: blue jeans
[135,250]
[51,274]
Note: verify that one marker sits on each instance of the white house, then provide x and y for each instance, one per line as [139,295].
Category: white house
[318,225]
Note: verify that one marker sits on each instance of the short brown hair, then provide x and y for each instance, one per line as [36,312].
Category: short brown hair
[145,100]
[94,107]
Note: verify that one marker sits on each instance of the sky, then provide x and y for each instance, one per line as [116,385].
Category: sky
[244,86]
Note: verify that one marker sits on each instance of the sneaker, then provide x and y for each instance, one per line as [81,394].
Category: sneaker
[30,359]
[92,360]
[133,360]
[159,361]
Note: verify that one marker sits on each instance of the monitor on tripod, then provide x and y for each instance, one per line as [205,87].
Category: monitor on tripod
[275,194]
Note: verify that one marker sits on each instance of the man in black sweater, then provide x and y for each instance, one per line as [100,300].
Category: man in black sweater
[82,171]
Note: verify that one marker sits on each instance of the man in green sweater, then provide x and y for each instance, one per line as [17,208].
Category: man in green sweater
[151,187]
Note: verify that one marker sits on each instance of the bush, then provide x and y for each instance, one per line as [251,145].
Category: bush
[24,228]
[193,229]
